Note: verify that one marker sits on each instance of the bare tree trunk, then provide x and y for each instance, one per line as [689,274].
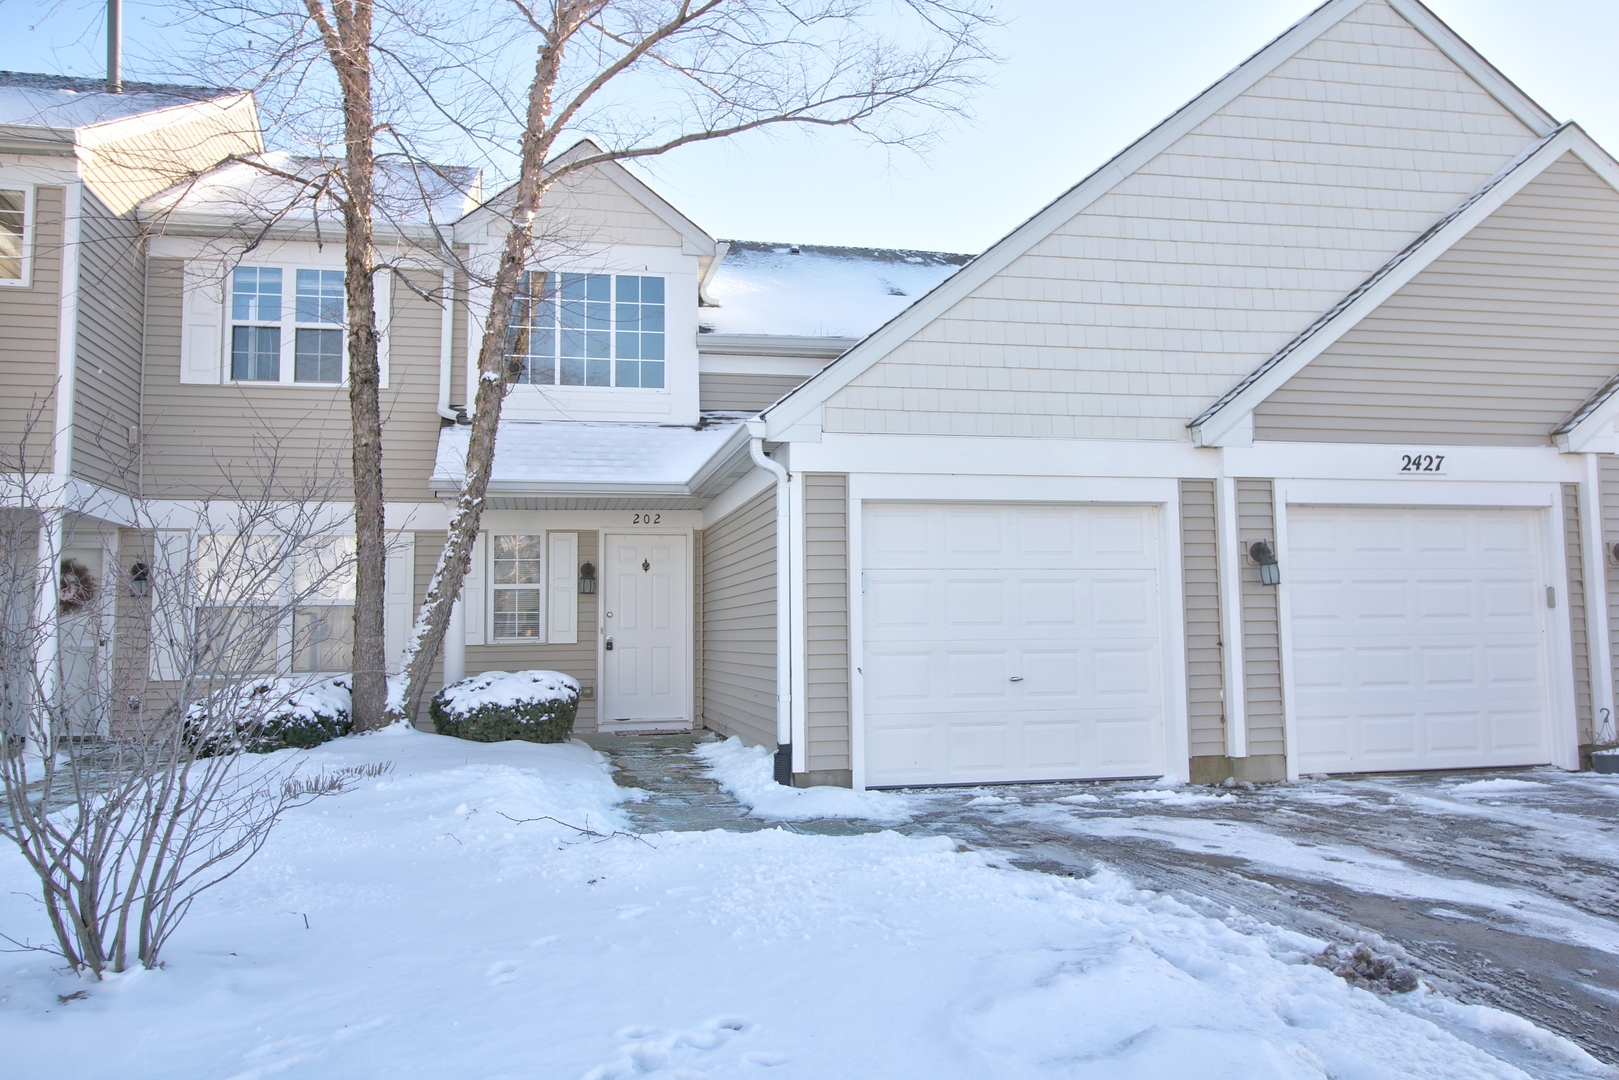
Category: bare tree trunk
[348,45]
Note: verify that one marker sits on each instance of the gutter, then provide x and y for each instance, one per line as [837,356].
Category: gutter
[446,346]
[784,621]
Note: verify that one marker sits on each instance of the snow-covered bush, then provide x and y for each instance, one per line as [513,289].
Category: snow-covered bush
[267,715]
[536,706]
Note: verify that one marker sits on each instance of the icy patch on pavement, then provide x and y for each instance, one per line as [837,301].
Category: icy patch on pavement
[1491,1021]
[480,938]
[748,772]
[1495,787]
[1171,797]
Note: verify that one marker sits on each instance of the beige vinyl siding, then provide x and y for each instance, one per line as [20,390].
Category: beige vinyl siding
[1495,343]
[1261,638]
[31,318]
[739,622]
[124,170]
[194,432]
[1579,631]
[107,376]
[723,391]
[826,621]
[577,660]
[1150,303]
[1200,582]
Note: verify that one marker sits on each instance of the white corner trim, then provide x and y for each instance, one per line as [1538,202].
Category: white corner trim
[1226,425]
[1481,70]
[67,330]
[793,408]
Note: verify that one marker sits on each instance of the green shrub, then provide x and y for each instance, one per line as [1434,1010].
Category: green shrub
[262,717]
[535,706]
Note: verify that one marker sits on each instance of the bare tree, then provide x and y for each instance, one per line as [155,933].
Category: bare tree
[649,76]
[128,786]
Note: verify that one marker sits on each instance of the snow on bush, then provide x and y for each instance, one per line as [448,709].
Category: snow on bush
[262,716]
[748,772]
[535,706]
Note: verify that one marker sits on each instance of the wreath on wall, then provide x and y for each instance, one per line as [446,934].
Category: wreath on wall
[77,588]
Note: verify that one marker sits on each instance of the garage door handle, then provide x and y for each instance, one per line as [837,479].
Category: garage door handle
[1017,678]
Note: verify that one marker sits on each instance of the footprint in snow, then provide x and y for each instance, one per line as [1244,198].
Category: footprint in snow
[503,972]
[682,1053]
[633,911]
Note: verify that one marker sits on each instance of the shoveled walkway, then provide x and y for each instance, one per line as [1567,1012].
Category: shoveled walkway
[1500,887]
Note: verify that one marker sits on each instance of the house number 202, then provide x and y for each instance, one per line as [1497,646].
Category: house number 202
[1422,463]
[647,519]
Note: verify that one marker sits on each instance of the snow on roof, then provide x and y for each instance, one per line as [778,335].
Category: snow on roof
[61,101]
[244,190]
[566,455]
[805,290]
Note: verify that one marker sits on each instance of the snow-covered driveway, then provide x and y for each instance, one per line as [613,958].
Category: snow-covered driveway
[433,924]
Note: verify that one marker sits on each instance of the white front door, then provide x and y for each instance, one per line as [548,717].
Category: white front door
[82,645]
[1010,642]
[647,617]
[1419,638]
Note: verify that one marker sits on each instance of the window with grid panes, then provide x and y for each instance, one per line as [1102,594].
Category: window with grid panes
[265,328]
[588,330]
[13,223]
[515,585]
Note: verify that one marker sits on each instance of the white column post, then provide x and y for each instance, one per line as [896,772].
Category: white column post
[47,598]
[455,643]
[1596,598]
[1233,674]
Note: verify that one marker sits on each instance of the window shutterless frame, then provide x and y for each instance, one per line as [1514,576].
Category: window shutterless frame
[16,235]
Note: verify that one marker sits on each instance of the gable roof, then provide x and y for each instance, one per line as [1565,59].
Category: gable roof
[694,241]
[1227,421]
[802,402]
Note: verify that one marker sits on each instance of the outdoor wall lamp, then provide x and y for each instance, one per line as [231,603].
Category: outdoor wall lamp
[140,580]
[1262,553]
[587,579]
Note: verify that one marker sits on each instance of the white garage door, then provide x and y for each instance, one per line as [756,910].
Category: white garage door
[1419,638]
[1010,643]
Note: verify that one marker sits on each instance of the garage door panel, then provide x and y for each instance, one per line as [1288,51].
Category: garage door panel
[1419,638]
[1061,598]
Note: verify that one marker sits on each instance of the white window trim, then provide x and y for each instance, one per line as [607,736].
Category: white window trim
[475,335]
[539,588]
[288,324]
[29,227]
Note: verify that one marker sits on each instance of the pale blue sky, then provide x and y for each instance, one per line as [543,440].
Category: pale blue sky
[1082,78]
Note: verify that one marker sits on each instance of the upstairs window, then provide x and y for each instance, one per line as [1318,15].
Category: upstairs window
[588,330]
[13,225]
[275,341]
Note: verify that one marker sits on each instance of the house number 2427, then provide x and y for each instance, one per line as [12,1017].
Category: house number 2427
[1422,463]
[647,519]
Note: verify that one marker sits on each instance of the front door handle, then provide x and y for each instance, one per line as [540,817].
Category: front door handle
[609,644]
[1017,678]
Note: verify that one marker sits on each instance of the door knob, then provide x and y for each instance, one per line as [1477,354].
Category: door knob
[609,644]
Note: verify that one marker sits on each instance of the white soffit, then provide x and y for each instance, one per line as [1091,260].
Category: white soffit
[810,396]
[1228,422]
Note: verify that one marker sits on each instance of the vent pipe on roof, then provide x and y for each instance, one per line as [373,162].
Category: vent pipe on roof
[115,46]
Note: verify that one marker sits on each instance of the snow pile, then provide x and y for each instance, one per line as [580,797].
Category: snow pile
[1495,787]
[508,689]
[451,919]
[748,772]
[1172,797]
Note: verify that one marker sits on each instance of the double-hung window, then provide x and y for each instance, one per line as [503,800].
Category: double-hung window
[13,235]
[515,587]
[323,615]
[275,337]
[249,609]
[588,330]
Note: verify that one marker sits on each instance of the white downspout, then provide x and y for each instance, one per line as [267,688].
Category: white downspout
[1597,629]
[446,341]
[784,593]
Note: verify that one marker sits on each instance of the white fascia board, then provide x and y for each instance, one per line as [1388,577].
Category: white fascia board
[797,405]
[1463,55]
[1230,422]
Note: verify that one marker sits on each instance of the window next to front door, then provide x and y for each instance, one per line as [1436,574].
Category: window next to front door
[515,586]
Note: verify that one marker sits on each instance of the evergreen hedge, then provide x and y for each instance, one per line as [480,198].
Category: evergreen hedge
[534,706]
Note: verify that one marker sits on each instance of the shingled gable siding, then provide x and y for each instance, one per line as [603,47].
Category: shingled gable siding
[735,392]
[1200,582]
[1494,343]
[577,660]
[1579,632]
[107,377]
[826,628]
[739,622]
[1152,301]
[31,318]
[1261,637]
[194,432]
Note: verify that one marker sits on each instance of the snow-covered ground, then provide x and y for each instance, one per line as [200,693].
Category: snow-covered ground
[432,923]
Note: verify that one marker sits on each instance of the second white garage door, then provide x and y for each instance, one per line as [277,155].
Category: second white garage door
[1010,642]
[1419,638]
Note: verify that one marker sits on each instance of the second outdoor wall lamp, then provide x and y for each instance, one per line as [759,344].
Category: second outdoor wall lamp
[1270,573]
